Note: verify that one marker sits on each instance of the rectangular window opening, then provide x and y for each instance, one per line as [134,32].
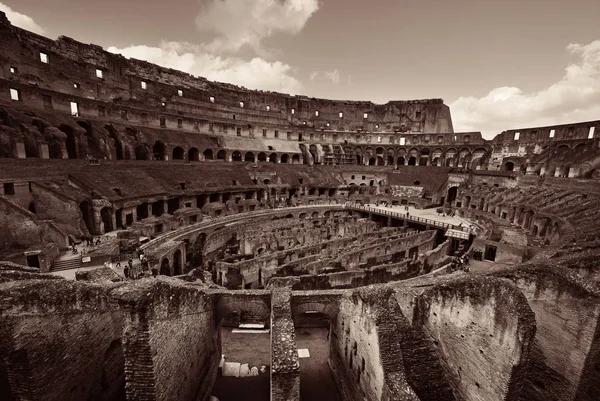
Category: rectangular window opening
[144,85]
[99,73]
[74,109]
[15,94]
[552,133]
[43,57]
[516,137]
[179,92]
[591,133]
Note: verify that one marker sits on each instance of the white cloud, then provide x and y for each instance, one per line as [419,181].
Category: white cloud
[576,97]
[333,76]
[21,20]
[194,59]
[237,23]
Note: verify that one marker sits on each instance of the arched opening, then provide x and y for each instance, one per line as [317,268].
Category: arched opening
[70,142]
[372,161]
[31,207]
[236,156]
[194,253]
[401,161]
[249,157]
[380,161]
[178,153]
[262,157]
[107,220]
[509,166]
[358,159]
[424,157]
[452,192]
[94,148]
[87,215]
[296,159]
[208,154]
[284,158]
[164,267]
[390,160]
[112,133]
[313,151]
[273,157]
[193,155]
[54,150]
[412,161]
[177,267]
[221,155]
[141,152]
[159,150]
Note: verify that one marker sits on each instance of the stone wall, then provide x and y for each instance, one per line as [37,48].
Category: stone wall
[483,330]
[64,343]
[170,341]
[566,342]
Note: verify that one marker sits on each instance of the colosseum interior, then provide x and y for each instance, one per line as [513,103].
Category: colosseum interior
[282,247]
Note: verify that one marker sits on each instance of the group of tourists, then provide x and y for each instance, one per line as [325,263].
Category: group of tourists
[460,263]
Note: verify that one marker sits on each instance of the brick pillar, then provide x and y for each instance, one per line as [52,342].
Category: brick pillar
[285,367]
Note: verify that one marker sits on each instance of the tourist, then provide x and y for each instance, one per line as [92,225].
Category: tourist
[126,272]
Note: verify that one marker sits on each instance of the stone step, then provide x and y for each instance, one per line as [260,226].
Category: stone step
[59,265]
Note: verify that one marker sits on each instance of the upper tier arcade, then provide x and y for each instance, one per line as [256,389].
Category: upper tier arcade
[69,70]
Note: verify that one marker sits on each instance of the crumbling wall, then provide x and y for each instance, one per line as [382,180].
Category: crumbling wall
[61,342]
[566,344]
[355,356]
[285,366]
[170,341]
[483,329]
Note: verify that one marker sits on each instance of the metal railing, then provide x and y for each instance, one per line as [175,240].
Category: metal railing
[407,216]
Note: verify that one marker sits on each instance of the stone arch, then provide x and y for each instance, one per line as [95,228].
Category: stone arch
[195,252]
[106,215]
[193,155]
[372,161]
[208,154]
[178,153]
[177,263]
[31,207]
[70,142]
[165,268]
[284,158]
[302,306]
[236,156]
[221,155]
[54,150]
[509,166]
[262,157]
[141,152]
[159,150]
[412,161]
[401,161]
[249,157]
[296,159]
[273,157]
[315,154]
[87,215]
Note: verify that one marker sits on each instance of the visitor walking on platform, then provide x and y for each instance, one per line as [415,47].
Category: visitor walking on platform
[125,272]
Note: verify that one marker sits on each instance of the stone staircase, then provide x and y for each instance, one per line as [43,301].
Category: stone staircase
[66,264]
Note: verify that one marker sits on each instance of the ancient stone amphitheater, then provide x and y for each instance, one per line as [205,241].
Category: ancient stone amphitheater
[262,210]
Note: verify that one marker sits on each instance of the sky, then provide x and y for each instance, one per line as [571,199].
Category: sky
[498,64]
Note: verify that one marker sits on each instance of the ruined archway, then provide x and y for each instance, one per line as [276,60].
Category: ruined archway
[165,269]
[249,157]
[177,263]
[87,215]
[221,155]
[236,156]
[159,150]
[70,142]
[193,155]
[208,154]
[178,153]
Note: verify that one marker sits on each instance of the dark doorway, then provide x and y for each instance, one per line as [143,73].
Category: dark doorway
[159,150]
[490,253]
[106,215]
[452,191]
[87,214]
[177,268]
[70,142]
[33,261]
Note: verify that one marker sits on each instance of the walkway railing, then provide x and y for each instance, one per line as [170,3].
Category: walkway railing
[406,216]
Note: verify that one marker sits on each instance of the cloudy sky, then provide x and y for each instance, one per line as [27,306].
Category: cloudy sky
[498,64]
